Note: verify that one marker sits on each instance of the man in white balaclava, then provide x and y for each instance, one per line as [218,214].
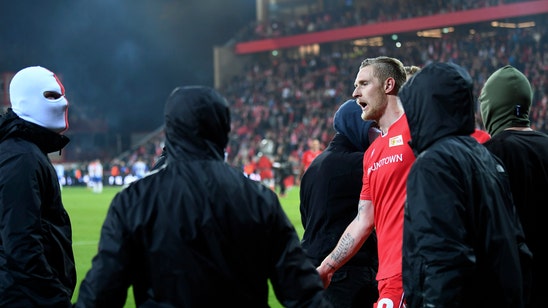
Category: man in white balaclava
[36,257]
[38,96]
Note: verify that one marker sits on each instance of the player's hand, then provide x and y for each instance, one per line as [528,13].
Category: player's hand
[325,275]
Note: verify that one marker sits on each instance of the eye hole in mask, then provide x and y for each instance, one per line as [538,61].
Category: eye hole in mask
[52,95]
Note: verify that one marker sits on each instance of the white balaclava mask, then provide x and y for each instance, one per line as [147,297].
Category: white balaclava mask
[38,96]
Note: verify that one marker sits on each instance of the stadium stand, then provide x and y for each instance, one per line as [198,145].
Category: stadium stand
[288,95]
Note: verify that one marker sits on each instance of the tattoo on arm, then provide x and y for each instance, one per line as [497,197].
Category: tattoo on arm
[341,251]
[360,210]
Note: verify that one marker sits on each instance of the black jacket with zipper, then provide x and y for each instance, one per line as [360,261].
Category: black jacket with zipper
[36,259]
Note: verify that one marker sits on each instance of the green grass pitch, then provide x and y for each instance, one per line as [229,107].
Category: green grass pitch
[87,211]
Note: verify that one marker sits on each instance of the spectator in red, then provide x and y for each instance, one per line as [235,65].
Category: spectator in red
[314,149]
[264,167]
[480,135]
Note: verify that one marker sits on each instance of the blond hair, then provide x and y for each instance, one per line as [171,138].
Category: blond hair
[387,67]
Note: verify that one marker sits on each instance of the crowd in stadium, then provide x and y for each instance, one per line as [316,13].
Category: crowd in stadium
[343,14]
[418,162]
[290,101]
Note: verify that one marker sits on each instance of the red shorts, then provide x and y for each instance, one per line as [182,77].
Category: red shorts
[391,293]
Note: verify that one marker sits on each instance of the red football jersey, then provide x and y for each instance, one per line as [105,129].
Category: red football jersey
[386,165]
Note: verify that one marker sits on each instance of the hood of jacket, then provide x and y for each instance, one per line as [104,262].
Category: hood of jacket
[438,102]
[349,123]
[12,126]
[505,100]
[197,123]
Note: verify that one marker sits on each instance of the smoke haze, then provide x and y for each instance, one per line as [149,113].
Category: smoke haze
[120,59]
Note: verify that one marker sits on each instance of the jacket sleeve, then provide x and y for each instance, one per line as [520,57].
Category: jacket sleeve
[21,192]
[107,282]
[294,278]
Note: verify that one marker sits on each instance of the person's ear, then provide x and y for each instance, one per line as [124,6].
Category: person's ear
[389,85]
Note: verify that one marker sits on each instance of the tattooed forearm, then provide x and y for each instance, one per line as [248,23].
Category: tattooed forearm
[341,251]
[361,207]
[331,266]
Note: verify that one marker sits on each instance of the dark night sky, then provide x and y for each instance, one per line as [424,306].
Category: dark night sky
[120,59]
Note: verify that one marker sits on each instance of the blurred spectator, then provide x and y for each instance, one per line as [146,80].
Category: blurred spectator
[480,135]
[264,169]
[139,168]
[115,177]
[95,172]
[314,149]
[282,168]
[60,170]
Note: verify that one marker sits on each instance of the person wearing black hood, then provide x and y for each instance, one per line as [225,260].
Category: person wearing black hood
[330,189]
[196,232]
[463,244]
[36,258]
[505,102]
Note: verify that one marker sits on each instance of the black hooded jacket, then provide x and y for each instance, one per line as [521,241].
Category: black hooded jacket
[196,232]
[329,202]
[331,186]
[463,245]
[36,259]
